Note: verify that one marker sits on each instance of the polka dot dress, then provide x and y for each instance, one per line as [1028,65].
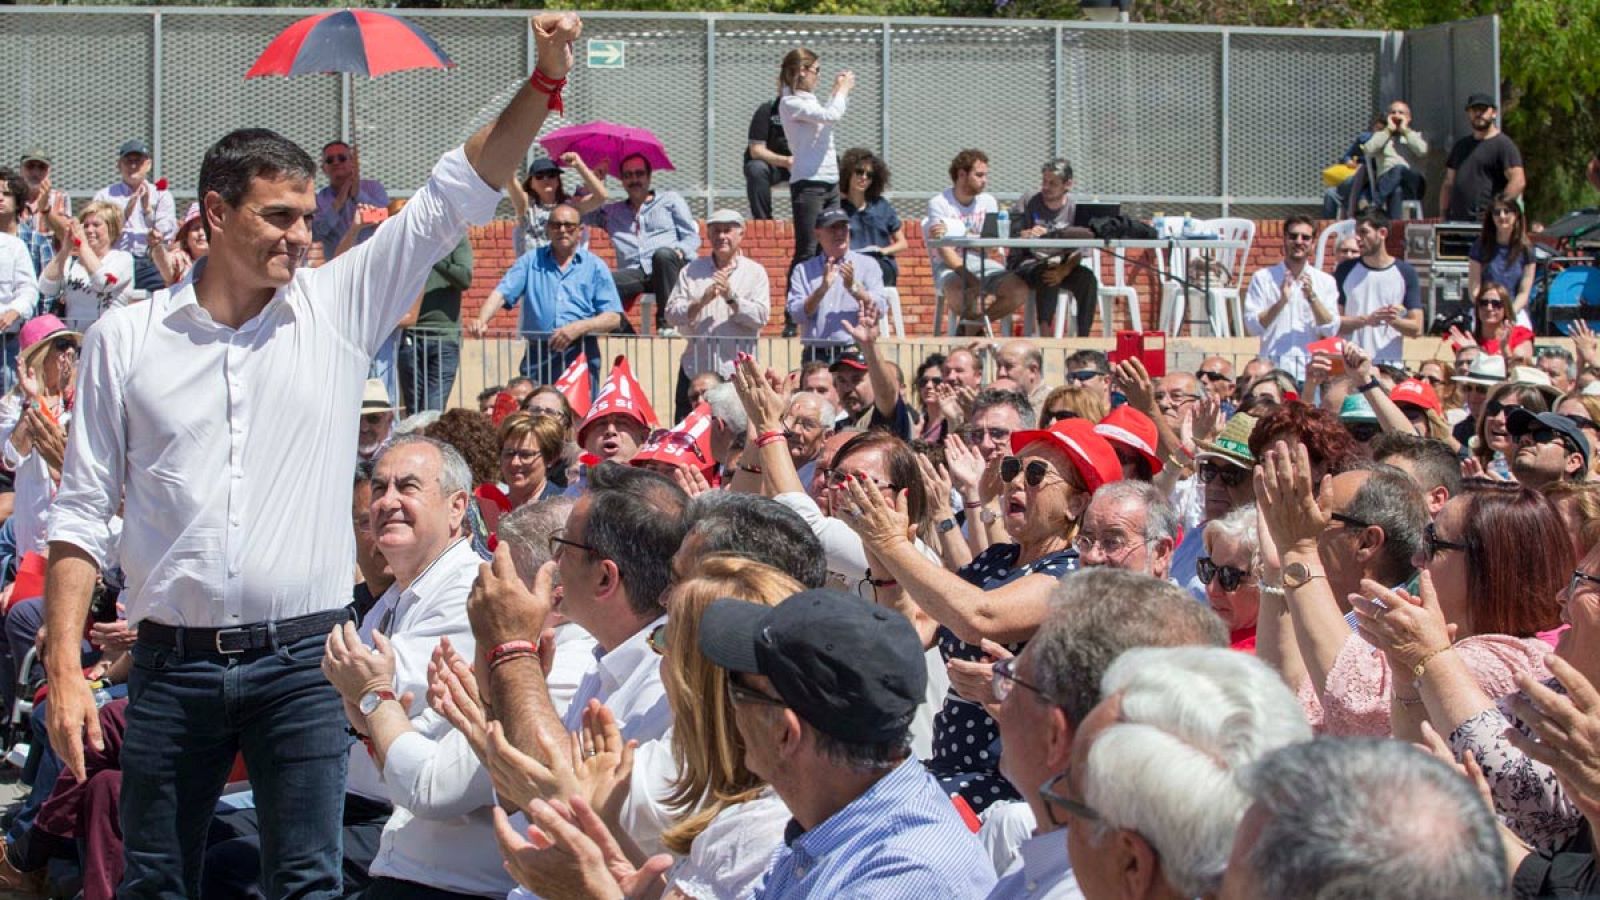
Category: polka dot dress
[966,742]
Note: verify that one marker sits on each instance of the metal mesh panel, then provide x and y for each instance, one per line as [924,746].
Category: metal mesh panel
[1269,78]
[405,120]
[748,56]
[962,86]
[204,93]
[1474,71]
[1140,111]
[80,88]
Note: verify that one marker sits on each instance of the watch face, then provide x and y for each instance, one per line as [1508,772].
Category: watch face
[369,702]
[1296,574]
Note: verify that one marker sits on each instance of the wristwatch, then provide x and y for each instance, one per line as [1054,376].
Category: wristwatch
[947,526]
[371,699]
[988,516]
[1372,385]
[1298,574]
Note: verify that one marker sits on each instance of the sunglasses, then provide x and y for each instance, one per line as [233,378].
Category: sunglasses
[1083,376]
[1232,476]
[836,478]
[863,173]
[636,173]
[1492,302]
[557,542]
[1437,545]
[1211,376]
[1433,380]
[1033,474]
[1003,678]
[63,344]
[543,175]
[1584,422]
[658,639]
[1227,576]
[334,160]
[1300,238]
[1547,436]
[553,225]
[1362,432]
[1495,407]
[1060,415]
[740,695]
[929,381]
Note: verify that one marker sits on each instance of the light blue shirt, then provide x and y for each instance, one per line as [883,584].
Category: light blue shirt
[1042,871]
[330,223]
[664,222]
[837,306]
[558,296]
[902,838]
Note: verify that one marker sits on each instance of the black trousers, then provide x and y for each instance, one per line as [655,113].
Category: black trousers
[665,267]
[759,177]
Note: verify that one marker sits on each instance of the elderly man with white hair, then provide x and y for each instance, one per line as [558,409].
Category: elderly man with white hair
[1129,525]
[1151,793]
[1325,823]
[806,424]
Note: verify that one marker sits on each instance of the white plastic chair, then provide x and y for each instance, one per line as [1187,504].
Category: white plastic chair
[1331,235]
[1225,302]
[893,324]
[1119,288]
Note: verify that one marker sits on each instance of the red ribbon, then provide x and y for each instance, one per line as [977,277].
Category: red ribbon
[551,88]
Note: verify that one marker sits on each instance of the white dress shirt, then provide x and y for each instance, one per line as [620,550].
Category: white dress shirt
[1007,825]
[33,486]
[135,236]
[1043,871]
[719,331]
[628,681]
[231,448]
[574,656]
[413,619]
[1296,325]
[19,287]
[808,124]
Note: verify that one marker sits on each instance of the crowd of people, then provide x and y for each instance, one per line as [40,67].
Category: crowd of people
[1325,626]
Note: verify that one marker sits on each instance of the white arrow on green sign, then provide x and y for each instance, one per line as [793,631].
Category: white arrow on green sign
[606,54]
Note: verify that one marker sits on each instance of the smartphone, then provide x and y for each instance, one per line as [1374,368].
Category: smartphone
[1149,347]
[374,216]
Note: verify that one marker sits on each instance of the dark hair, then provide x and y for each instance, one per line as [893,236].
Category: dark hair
[636,520]
[852,160]
[518,380]
[1373,218]
[335,143]
[1489,238]
[473,436]
[1532,397]
[363,472]
[1328,443]
[1519,557]
[244,155]
[1017,400]
[965,160]
[864,757]
[898,459]
[758,529]
[489,392]
[1392,501]
[622,163]
[1298,219]
[1435,463]
[931,361]
[17,187]
[1089,359]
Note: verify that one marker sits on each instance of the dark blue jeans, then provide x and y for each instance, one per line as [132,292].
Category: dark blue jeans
[544,365]
[427,366]
[188,717]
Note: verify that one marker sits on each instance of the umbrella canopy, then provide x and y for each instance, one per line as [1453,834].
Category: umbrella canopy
[597,142]
[359,41]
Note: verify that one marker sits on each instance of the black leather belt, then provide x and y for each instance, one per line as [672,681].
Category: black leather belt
[244,638]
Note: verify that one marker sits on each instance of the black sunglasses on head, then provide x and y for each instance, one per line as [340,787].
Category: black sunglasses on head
[1229,577]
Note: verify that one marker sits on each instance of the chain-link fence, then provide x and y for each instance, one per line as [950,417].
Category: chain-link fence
[1197,119]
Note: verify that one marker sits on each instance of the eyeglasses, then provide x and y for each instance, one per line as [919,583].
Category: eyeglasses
[1036,471]
[554,225]
[799,425]
[335,160]
[1412,413]
[1113,546]
[1492,302]
[1232,476]
[373,418]
[1437,545]
[1579,576]
[1495,407]
[835,478]
[522,456]
[63,344]
[1504,212]
[1004,678]
[1431,379]
[1546,436]
[1060,415]
[973,434]
[863,173]
[543,175]
[1049,793]
[1176,398]
[1227,576]
[658,639]
[557,542]
[1083,376]
[1348,521]
[929,381]
[1584,422]
[740,694]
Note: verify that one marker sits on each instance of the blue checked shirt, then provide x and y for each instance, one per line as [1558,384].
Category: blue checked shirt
[664,222]
[40,248]
[902,838]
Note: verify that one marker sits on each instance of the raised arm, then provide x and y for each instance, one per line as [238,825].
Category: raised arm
[597,196]
[497,148]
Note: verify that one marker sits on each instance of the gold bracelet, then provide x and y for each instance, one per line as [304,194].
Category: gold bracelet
[1422,663]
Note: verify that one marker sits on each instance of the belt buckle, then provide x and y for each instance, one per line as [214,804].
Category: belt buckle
[225,631]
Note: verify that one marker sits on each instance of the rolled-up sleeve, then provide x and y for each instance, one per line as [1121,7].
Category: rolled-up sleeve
[439,779]
[92,474]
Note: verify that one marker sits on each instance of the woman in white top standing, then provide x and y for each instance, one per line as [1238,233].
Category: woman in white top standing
[33,420]
[808,124]
[87,277]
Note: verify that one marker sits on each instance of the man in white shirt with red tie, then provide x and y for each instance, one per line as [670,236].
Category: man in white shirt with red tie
[224,418]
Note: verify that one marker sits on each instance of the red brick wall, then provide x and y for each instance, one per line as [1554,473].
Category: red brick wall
[772,242]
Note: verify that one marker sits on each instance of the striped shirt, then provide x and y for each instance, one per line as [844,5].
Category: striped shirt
[902,838]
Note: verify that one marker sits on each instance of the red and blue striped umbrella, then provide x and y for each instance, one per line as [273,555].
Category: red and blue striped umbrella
[359,41]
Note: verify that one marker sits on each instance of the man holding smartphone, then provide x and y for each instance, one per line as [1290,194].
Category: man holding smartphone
[348,201]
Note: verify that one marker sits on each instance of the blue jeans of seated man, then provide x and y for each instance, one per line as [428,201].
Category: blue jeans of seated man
[188,715]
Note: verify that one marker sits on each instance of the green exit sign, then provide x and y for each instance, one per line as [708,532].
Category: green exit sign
[604,54]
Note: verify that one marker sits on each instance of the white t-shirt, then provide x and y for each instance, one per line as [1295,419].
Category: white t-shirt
[944,207]
[1363,290]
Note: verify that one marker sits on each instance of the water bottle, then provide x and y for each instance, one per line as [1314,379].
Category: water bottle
[1002,222]
[101,695]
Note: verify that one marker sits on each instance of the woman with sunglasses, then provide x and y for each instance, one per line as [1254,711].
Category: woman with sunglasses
[1494,329]
[34,416]
[1231,570]
[875,228]
[1503,255]
[998,599]
[1071,401]
[1584,409]
[929,383]
[1492,444]
[1450,687]
[542,190]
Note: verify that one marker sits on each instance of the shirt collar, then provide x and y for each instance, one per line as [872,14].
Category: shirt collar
[619,665]
[429,581]
[184,301]
[891,793]
[1044,857]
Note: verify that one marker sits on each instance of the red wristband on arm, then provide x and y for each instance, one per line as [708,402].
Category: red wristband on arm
[511,650]
[770,437]
[550,87]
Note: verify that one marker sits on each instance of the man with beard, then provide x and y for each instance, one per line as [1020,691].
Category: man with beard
[1481,166]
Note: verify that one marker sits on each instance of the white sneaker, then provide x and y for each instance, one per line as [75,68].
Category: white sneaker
[18,755]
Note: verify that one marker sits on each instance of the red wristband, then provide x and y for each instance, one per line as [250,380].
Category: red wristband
[770,437]
[510,647]
[550,87]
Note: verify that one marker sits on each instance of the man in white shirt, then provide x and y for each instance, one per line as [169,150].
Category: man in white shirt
[1094,616]
[230,451]
[1292,303]
[1379,296]
[720,304]
[148,211]
[19,294]
[972,281]
[420,491]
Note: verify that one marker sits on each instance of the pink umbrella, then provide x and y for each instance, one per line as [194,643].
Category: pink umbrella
[598,143]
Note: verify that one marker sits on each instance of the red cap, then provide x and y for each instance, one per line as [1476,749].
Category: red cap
[1090,453]
[574,385]
[689,442]
[1417,393]
[621,396]
[1132,429]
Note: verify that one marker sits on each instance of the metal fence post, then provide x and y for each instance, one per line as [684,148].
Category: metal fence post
[883,89]
[155,88]
[1223,185]
[711,120]
[1061,87]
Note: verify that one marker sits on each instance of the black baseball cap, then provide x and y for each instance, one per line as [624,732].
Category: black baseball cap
[1481,100]
[542,165]
[832,216]
[852,670]
[1519,422]
[849,359]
